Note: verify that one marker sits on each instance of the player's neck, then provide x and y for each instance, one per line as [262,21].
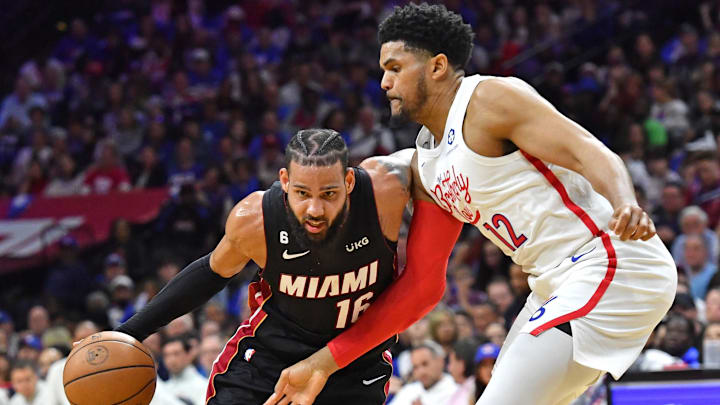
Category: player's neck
[437,107]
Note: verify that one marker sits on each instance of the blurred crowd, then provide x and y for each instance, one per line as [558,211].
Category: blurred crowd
[201,98]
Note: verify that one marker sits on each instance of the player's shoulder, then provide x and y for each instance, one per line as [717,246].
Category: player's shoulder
[390,174]
[499,90]
[245,220]
[497,101]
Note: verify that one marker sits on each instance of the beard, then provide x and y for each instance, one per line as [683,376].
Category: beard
[407,114]
[305,239]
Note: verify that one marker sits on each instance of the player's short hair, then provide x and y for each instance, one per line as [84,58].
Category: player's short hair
[316,147]
[432,28]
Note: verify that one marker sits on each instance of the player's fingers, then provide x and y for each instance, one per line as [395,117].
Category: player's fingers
[642,227]
[623,218]
[76,343]
[631,225]
[285,401]
[272,400]
[650,232]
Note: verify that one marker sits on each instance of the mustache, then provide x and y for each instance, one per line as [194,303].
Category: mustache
[314,219]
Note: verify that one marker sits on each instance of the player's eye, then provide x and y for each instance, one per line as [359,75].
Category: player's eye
[395,69]
[330,194]
[302,193]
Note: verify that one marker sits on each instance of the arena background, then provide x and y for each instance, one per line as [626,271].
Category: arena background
[128,129]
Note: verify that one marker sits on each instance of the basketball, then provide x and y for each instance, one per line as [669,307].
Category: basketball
[109,368]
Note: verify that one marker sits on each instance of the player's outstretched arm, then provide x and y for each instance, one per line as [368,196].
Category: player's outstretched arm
[208,275]
[508,108]
[433,233]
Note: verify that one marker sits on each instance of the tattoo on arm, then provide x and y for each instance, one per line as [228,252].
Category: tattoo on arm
[397,168]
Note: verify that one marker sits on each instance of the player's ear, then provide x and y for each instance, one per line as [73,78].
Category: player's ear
[439,66]
[349,180]
[284,176]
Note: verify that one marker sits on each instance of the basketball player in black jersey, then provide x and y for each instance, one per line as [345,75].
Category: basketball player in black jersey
[325,237]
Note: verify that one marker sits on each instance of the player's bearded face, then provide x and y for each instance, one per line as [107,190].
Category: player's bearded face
[317,203]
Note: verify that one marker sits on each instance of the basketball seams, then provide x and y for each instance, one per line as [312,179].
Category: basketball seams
[109,340]
[137,393]
[106,370]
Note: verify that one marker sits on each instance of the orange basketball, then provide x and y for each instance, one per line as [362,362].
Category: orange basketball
[109,368]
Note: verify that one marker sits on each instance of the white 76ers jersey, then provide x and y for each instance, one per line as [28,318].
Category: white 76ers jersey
[536,212]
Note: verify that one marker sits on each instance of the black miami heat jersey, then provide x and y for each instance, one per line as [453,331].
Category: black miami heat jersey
[325,290]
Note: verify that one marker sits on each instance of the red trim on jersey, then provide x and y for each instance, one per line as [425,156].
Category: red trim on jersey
[222,364]
[585,218]
[387,356]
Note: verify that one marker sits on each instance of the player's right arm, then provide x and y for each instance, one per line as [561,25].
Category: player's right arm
[200,280]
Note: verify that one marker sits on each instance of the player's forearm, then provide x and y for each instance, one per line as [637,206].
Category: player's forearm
[608,175]
[192,287]
[432,236]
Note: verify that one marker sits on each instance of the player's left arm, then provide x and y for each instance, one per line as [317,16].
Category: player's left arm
[508,108]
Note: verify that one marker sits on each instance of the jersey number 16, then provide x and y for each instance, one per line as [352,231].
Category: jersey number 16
[359,305]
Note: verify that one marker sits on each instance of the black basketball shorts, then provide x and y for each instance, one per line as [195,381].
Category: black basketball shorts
[247,369]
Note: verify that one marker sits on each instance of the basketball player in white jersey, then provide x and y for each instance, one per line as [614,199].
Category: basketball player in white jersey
[493,153]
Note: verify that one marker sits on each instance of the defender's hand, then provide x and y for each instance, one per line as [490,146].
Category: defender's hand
[300,383]
[631,222]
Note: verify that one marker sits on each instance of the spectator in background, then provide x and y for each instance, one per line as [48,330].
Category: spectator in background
[432,385]
[121,290]
[47,357]
[461,367]
[520,289]
[243,180]
[15,108]
[698,267]
[464,325]
[694,221]
[667,214]
[148,172]
[107,174]
[4,371]
[669,110]
[706,194]
[712,305]
[368,137]
[183,223]
[496,333]
[38,321]
[54,392]
[483,315]
[443,329]
[28,389]
[185,169]
[68,282]
[128,246]
[500,294]
[185,382]
[460,290]
[65,178]
[485,359]
[678,339]
[210,348]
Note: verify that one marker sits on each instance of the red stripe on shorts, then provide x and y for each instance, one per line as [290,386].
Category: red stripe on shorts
[222,363]
[585,218]
[388,359]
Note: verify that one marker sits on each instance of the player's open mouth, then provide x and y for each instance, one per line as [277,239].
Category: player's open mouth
[314,227]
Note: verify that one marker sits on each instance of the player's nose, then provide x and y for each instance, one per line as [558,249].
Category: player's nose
[315,208]
[386,82]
